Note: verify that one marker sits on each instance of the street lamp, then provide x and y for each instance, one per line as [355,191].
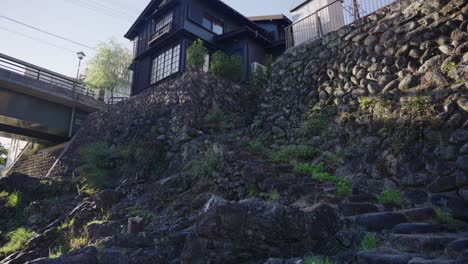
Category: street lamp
[81,56]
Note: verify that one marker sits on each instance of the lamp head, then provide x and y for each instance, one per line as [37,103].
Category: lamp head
[81,55]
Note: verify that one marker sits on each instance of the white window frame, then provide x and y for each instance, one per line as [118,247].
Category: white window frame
[166,64]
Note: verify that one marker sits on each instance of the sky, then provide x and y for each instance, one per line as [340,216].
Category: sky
[86,21]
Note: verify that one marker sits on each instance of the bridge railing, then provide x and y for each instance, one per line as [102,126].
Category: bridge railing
[44,75]
[329,18]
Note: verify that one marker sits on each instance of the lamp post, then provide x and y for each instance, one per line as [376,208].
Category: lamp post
[81,55]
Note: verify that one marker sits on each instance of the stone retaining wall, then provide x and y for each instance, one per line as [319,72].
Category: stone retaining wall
[391,93]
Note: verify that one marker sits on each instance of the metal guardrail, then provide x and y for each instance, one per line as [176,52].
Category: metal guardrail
[329,18]
[44,75]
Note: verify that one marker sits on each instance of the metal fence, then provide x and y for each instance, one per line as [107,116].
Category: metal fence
[312,21]
[43,75]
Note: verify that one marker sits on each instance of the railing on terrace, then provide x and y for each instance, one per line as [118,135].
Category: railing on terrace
[32,71]
[329,18]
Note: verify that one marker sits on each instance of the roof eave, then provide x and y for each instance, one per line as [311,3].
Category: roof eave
[300,5]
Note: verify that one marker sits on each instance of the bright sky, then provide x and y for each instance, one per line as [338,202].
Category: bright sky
[85,21]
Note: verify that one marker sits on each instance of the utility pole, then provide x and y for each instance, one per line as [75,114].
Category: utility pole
[356,10]
[81,56]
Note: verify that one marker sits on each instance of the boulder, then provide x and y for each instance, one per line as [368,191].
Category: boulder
[254,229]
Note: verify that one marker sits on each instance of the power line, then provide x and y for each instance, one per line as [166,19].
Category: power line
[124,5]
[106,8]
[46,32]
[102,10]
[35,39]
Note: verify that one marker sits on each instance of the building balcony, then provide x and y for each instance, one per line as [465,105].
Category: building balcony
[159,33]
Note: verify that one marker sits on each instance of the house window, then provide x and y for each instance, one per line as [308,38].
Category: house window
[165,64]
[213,25]
[166,20]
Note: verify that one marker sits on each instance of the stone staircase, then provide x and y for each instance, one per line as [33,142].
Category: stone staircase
[39,164]
[405,235]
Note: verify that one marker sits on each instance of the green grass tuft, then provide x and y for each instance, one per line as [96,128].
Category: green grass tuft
[57,252]
[17,240]
[317,171]
[293,152]
[207,165]
[315,260]
[344,187]
[274,196]
[391,196]
[369,241]
[257,146]
[12,199]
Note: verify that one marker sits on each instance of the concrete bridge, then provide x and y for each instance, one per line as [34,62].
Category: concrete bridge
[38,105]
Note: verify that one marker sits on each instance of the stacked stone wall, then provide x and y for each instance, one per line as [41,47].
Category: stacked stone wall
[388,96]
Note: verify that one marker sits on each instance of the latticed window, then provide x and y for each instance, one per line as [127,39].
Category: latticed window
[166,20]
[165,64]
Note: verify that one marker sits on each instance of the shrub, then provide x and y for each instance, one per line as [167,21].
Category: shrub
[229,67]
[207,165]
[97,164]
[369,241]
[17,240]
[257,146]
[218,62]
[315,260]
[259,78]
[196,54]
[317,121]
[391,196]
[344,187]
[293,152]
[145,156]
[234,68]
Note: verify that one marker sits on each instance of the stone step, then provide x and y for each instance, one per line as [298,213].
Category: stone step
[424,214]
[432,244]
[351,209]
[377,257]
[415,228]
[419,260]
[396,257]
[457,247]
[378,221]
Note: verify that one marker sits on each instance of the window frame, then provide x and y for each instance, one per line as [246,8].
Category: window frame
[212,21]
[166,63]
[161,23]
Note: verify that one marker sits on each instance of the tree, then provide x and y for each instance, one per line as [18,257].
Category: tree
[109,68]
[3,155]
[196,54]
